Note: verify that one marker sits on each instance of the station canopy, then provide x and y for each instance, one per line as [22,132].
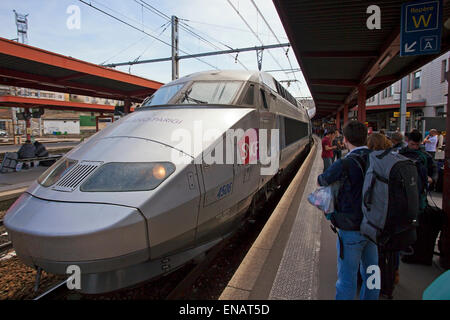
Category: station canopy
[30,67]
[337,52]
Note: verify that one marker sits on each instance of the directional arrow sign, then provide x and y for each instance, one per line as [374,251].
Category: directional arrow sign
[410,48]
[421,27]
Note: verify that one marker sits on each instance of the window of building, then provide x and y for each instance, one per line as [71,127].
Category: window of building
[444,70]
[371,99]
[391,90]
[416,80]
[384,94]
[440,111]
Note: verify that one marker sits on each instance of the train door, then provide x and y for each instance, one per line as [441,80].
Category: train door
[267,123]
[217,198]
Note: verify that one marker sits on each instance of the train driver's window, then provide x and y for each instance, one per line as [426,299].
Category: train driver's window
[249,95]
[263,97]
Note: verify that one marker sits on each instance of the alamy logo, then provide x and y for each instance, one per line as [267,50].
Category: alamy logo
[74,281]
[374,20]
[374,280]
[236,146]
[74,20]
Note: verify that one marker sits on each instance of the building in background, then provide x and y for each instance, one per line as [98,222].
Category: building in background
[53,121]
[426,98]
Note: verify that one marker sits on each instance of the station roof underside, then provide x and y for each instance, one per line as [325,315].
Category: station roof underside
[30,67]
[337,52]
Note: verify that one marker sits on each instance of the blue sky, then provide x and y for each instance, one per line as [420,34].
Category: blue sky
[101,38]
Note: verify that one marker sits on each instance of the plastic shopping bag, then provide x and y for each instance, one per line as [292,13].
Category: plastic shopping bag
[323,198]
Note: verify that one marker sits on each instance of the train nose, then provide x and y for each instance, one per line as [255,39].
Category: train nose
[96,237]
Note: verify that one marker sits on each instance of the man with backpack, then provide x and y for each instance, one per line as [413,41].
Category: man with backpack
[355,251]
[427,169]
[429,224]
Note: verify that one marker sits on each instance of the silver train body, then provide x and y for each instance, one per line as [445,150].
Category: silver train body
[122,232]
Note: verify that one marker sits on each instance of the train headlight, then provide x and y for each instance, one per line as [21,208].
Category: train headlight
[56,171]
[128,176]
[159,172]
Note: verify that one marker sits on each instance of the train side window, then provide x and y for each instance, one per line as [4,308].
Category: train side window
[263,96]
[294,130]
[249,95]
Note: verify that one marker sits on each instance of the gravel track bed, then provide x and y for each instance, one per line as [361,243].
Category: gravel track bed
[17,280]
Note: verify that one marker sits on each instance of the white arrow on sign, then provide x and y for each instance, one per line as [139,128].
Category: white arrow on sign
[410,48]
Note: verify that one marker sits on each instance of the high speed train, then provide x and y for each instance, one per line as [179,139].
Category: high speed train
[122,209]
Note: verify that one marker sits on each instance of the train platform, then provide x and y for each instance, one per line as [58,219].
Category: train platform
[294,257]
[12,184]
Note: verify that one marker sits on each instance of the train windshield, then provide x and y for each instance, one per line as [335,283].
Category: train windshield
[163,95]
[210,92]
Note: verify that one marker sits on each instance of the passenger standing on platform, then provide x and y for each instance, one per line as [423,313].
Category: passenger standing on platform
[327,149]
[337,141]
[378,141]
[430,142]
[397,141]
[355,251]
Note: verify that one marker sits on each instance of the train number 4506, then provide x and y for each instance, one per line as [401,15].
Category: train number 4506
[224,190]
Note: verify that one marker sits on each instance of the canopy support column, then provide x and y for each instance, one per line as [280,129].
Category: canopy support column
[338,120]
[345,113]
[362,103]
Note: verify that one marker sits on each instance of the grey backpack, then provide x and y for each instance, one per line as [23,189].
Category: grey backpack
[390,200]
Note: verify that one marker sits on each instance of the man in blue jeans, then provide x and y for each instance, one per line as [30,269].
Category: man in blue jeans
[355,251]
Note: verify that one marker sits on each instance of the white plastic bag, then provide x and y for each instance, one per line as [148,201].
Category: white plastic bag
[323,199]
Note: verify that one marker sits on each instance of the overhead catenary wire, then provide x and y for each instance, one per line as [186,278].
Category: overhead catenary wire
[254,33]
[229,28]
[287,50]
[143,31]
[165,26]
[186,28]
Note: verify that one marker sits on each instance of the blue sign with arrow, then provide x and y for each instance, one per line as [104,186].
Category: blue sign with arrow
[421,27]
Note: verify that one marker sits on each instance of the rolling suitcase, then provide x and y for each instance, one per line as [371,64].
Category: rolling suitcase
[430,224]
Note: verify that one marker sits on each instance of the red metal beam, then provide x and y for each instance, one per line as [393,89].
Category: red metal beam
[29,77]
[26,52]
[389,50]
[362,103]
[382,79]
[338,120]
[345,113]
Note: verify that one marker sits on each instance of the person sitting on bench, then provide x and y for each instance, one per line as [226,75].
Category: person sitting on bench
[41,151]
[26,151]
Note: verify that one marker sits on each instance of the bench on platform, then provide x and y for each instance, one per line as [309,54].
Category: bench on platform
[11,162]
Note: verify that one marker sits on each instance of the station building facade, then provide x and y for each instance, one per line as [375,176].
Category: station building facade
[69,121]
[426,97]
